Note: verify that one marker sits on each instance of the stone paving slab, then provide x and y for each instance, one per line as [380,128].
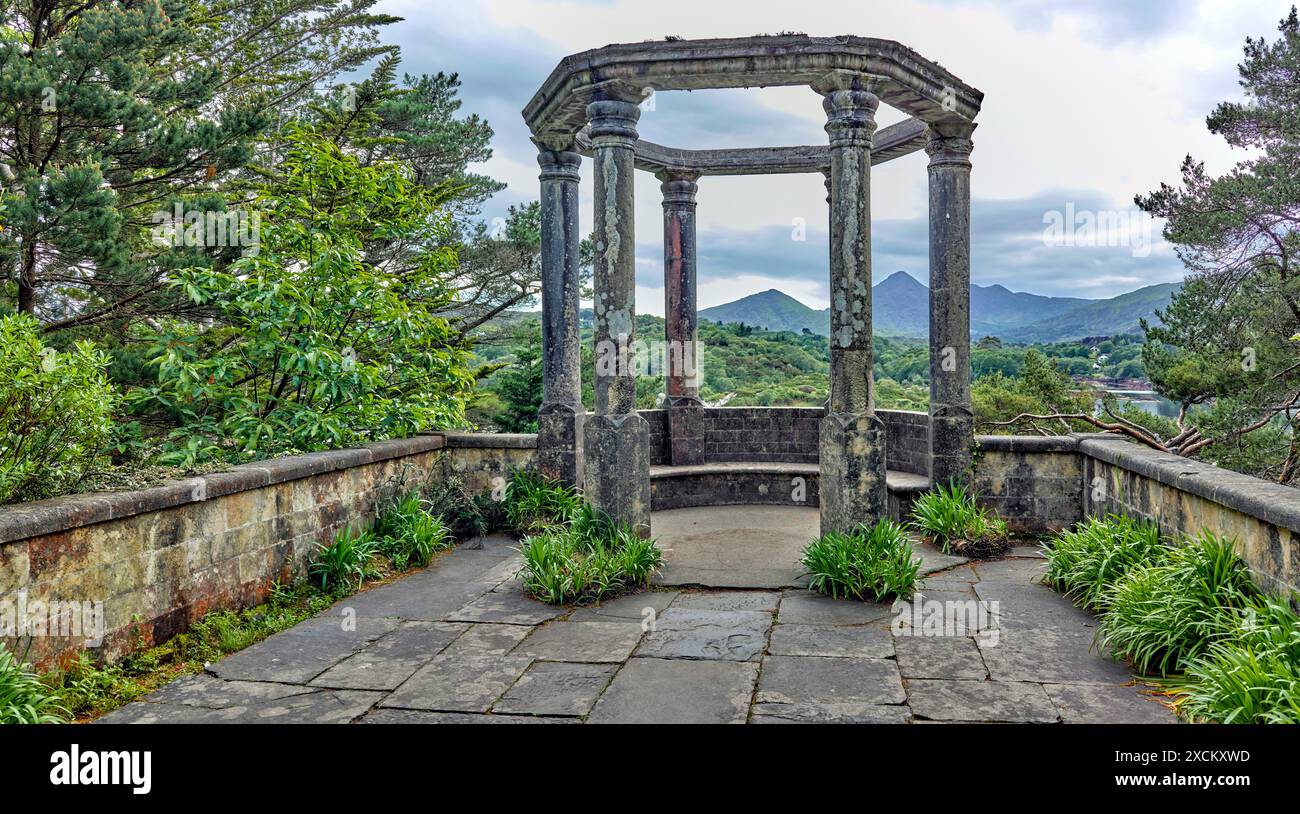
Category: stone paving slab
[677,691]
[815,680]
[707,634]
[298,655]
[315,707]
[611,642]
[391,660]
[939,657]
[1049,655]
[209,691]
[1033,607]
[874,641]
[414,598]
[991,701]
[1103,703]
[1018,570]
[551,688]
[627,608]
[458,683]
[834,713]
[485,639]
[807,608]
[508,609]
[764,601]
[416,716]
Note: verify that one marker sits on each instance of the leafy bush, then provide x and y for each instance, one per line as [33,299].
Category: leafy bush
[1085,562]
[953,520]
[408,533]
[24,698]
[1166,613]
[344,564]
[465,515]
[56,412]
[589,558]
[533,502]
[1253,676]
[872,563]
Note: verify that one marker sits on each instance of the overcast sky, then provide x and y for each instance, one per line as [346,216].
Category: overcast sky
[1085,105]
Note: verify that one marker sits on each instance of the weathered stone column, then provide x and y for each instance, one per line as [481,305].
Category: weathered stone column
[559,422]
[616,438]
[852,447]
[681,356]
[952,424]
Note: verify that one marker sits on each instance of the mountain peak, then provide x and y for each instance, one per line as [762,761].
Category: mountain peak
[901,279]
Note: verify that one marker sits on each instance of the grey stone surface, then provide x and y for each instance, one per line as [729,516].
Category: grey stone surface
[1001,701]
[210,691]
[677,691]
[1019,571]
[813,680]
[765,601]
[556,689]
[939,657]
[301,653]
[872,641]
[705,634]
[508,609]
[453,682]
[488,640]
[416,716]
[1106,703]
[834,713]
[391,660]
[629,608]
[736,546]
[1050,655]
[581,641]
[808,608]
[314,707]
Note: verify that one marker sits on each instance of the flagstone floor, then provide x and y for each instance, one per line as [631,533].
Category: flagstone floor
[727,635]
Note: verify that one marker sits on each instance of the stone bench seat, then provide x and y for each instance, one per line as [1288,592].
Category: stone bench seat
[730,483]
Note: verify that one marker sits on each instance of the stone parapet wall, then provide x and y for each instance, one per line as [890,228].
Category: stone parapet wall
[1035,483]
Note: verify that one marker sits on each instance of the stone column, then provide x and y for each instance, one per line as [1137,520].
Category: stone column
[952,424]
[681,356]
[559,422]
[852,446]
[616,438]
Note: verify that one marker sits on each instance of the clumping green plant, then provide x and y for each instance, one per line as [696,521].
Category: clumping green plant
[56,412]
[24,698]
[1252,676]
[589,558]
[954,521]
[466,515]
[868,563]
[407,533]
[1086,561]
[344,564]
[1164,614]
[533,502]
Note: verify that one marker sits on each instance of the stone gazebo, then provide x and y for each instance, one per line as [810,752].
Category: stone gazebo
[589,105]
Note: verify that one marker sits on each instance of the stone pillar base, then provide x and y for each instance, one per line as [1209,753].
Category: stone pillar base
[852,480]
[952,432]
[559,443]
[685,432]
[617,467]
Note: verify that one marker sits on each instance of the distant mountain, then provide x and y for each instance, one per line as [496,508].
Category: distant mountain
[901,308]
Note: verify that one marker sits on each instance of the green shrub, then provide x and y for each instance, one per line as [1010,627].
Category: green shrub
[1253,676]
[872,563]
[1166,613]
[24,698]
[589,558]
[1085,562]
[954,521]
[533,502]
[344,564]
[465,515]
[407,533]
[56,412]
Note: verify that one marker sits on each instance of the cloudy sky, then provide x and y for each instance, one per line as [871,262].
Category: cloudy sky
[1086,103]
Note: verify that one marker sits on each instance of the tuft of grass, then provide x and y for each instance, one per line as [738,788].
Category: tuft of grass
[408,533]
[1164,614]
[589,558]
[24,697]
[1087,561]
[1251,676]
[534,502]
[954,521]
[869,563]
[344,564]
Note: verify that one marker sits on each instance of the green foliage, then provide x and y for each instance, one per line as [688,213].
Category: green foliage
[24,698]
[533,502]
[1166,613]
[466,515]
[868,563]
[589,558]
[408,533]
[1250,677]
[954,521]
[519,387]
[56,412]
[1039,389]
[344,564]
[1088,560]
[314,346]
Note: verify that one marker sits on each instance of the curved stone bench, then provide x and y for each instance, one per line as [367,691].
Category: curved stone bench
[733,483]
